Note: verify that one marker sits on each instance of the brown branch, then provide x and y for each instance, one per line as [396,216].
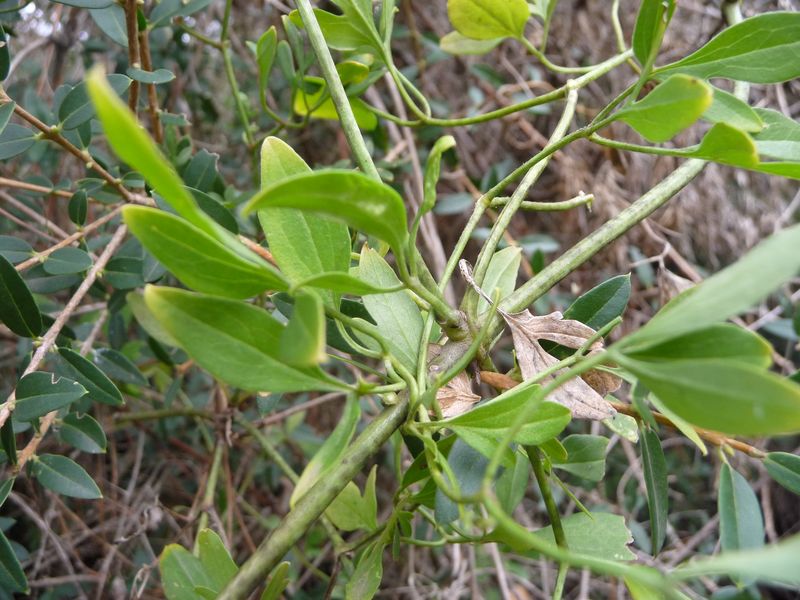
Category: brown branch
[504,382]
[132,27]
[152,96]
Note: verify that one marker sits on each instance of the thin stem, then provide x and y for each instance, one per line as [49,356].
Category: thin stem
[132,28]
[208,493]
[536,459]
[579,200]
[336,89]
[550,65]
[237,97]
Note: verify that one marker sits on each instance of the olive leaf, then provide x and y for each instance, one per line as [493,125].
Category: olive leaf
[526,331]
[456,397]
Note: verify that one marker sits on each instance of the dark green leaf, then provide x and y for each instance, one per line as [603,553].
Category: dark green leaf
[489,19]
[340,31]
[196,258]
[5,56]
[5,489]
[12,578]
[216,559]
[39,393]
[265,51]
[86,3]
[15,139]
[726,396]
[167,9]
[99,387]
[150,77]
[397,317]
[468,467]
[64,476]
[741,526]
[512,483]
[343,283]
[65,261]
[78,207]
[201,172]
[726,293]
[754,50]
[651,23]
[216,210]
[76,108]
[83,433]
[8,439]
[655,479]
[785,469]
[682,97]
[363,203]
[6,110]
[111,21]
[601,304]
[118,366]
[246,341]
[15,250]
[124,272]
[303,339]
[586,456]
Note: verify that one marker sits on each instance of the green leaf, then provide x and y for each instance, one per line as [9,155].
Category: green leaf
[118,366]
[727,108]
[165,10]
[111,21]
[98,386]
[727,145]
[86,3]
[277,582]
[651,23]
[468,467]
[722,341]
[76,107]
[216,560]
[785,469]
[341,32]
[8,440]
[460,45]
[489,19]
[682,97]
[732,290]
[343,283]
[741,526]
[351,511]
[5,56]
[512,483]
[366,578]
[600,534]
[39,393]
[78,207]
[135,147]
[148,320]
[601,304]
[64,476]
[330,452]
[5,489]
[245,338]
[319,105]
[501,274]
[655,479]
[6,110]
[780,137]
[181,571]
[586,456]
[432,170]
[756,50]
[18,309]
[15,250]
[726,396]
[65,261]
[396,315]
[363,203]
[303,339]
[15,139]
[156,77]
[83,432]
[494,417]
[12,577]
[265,50]
[681,424]
[196,258]
[303,244]
[775,563]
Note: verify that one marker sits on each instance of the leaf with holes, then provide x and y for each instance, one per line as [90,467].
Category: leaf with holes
[39,393]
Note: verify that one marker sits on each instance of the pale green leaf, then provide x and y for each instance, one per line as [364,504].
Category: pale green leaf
[489,19]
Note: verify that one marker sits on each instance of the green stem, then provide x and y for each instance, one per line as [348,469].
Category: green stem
[309,508]
[336,89]
[537,463]
[237,97]
[208,494]
[579,200]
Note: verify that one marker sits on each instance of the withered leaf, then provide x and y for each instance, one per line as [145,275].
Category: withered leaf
[457,396]
[526,331]
[671,285]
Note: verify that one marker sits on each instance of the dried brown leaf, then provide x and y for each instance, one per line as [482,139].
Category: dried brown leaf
[671,285]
